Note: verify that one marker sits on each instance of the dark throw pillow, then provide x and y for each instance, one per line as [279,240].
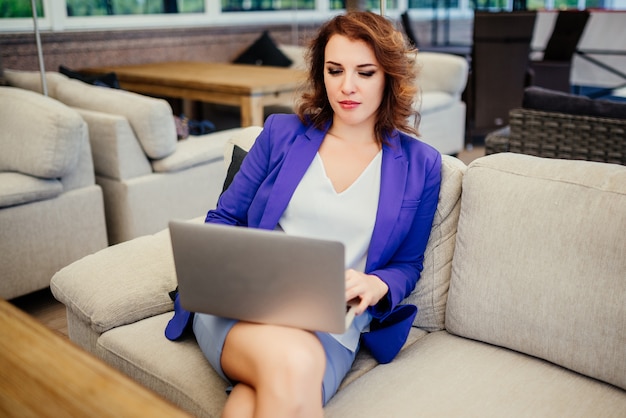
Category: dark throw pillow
[538,98]
[263,52]
[238,155]
[102,80]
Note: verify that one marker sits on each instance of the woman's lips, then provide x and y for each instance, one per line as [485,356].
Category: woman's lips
[348,104]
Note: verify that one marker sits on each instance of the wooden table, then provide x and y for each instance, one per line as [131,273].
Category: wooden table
[42,374]
[250,87]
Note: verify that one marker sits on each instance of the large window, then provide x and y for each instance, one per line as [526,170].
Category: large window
[59,15]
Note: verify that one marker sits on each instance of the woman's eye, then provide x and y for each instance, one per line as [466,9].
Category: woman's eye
[333,71]
[367,73]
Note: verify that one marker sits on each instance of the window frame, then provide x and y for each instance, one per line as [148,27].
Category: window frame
[55,17]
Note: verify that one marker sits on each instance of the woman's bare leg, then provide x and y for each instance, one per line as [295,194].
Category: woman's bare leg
[282,368]
[241,402]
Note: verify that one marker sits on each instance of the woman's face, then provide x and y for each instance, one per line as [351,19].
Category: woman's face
[354,80]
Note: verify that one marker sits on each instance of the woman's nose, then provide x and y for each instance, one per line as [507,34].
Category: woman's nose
[347,86]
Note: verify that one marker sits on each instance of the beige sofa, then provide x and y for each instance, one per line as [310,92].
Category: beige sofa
[51,210]
[148,177]
[521,303]
[441,79]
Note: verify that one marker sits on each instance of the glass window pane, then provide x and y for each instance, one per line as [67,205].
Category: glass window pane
[132,7]
[263,5]
[535,4]
[428,4]
[373,5]
[565,4]
[19,8]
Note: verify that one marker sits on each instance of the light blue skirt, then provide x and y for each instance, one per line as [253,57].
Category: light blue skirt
[211,332]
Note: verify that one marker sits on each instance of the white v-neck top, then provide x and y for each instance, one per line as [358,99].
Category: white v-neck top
[316,210]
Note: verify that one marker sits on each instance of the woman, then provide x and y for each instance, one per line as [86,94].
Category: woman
[341,169]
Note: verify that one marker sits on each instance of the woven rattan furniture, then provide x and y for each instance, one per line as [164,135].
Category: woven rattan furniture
[560,135]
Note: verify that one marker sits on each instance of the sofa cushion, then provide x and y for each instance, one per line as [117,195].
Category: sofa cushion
[31,80]
[195,150]
[538,98]
[431,291]
[435,101]
[263,51]
[442,72]
[442,375]
[39,136]
[151,119]
[17,189]
[539,261]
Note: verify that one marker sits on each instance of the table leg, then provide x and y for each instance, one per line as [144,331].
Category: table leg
[252,111]
[188,109]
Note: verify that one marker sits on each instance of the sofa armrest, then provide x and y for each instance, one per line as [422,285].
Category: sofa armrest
[442,72]
[119,285]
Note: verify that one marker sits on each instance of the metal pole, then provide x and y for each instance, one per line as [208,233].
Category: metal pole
[382,7]
[42,70]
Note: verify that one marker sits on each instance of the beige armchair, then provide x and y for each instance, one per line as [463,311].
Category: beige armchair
[51,210]
[148,177]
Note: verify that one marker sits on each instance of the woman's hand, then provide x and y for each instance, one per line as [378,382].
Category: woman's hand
[366,289]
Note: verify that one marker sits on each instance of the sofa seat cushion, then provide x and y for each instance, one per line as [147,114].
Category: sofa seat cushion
[151,119]
[17,189]
[40,136]
[442,375]
[539,261]
[176,370]
[195,150]
[435,101]
[183,375]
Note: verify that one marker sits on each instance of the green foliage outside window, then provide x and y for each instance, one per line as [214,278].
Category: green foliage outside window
[428,4]
[266,5]
[19,8]
[132,7]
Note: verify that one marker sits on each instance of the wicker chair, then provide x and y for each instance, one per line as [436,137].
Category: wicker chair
[560,135]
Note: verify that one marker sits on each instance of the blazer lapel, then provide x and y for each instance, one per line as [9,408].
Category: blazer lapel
[297,161]
[393,180]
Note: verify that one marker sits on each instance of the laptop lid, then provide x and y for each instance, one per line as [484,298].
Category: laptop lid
[260,276]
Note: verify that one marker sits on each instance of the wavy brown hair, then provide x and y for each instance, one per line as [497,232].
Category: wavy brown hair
[394,56]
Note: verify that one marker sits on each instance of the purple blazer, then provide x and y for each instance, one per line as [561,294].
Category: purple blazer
[409,192]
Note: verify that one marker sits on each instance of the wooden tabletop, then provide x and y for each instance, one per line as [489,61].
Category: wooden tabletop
[216,77]
[42,374]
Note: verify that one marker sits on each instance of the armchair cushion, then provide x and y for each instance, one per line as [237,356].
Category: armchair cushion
[442,72]
[546,100]
[193,151]
[17,189]
[151,119]
[31,80]
[38,136]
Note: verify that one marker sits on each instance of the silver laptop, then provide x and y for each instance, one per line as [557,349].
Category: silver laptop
[261,276]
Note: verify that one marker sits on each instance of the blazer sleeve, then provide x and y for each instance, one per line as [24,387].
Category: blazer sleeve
[234,204]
